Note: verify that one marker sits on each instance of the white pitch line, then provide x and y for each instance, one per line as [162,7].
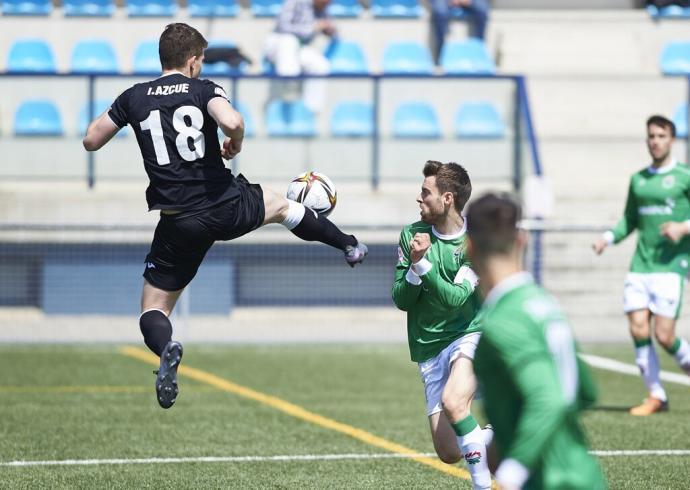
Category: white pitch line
[214,459]
[643,452]
[305,457]
[621,367]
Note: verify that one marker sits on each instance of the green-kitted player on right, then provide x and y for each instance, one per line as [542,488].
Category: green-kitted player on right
[658,207]
[534,384]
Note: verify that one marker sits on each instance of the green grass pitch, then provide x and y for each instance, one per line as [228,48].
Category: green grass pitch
[93,402]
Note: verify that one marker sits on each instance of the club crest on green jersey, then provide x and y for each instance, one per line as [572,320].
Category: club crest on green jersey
[668,182]
[457,254]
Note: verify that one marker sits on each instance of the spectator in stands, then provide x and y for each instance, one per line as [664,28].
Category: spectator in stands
[288,46]
[478,10]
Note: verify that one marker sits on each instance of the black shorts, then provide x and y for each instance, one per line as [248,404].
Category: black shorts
[181,241]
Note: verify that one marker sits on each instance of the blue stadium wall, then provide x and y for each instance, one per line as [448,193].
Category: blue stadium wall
[77,278]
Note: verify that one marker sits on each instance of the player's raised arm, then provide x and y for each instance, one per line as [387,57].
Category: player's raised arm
[100,131]
[451,295]
[230,122]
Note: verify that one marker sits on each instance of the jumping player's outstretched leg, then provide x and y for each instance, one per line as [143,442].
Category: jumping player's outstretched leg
[310,226]
[156,306]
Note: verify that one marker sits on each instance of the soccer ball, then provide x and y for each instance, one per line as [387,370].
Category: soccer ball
[315,191]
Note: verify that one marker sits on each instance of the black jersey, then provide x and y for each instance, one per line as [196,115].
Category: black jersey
[178,141]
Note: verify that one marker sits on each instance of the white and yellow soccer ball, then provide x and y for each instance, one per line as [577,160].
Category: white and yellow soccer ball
[315,190]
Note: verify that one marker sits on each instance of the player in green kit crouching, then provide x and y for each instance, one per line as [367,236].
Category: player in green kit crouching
[658,206]
[435,285]
[533,383]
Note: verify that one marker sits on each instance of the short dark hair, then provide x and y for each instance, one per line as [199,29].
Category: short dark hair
[178,43]
[661,121]
[492,223]
[453,178]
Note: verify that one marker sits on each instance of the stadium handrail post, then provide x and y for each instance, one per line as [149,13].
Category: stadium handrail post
[524,108]
[375,140]
[90,155]
[233,97]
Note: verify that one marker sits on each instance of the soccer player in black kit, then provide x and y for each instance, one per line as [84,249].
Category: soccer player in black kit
[175,119]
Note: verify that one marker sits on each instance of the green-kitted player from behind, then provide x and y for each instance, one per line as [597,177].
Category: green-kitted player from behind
[534,384]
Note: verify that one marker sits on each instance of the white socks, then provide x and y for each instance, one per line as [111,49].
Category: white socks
[648,362]
[295,214]
[488,435]
[682,355]
[473,448]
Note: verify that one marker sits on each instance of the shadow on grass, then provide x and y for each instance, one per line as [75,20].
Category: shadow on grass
[608,408]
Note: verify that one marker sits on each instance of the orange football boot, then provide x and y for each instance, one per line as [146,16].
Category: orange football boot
[649,406]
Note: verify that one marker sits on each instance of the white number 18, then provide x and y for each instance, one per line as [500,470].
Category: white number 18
[184,132]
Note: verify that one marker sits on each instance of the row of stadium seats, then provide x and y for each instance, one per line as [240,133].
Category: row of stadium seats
[346,57]
[210,8]
[478,119]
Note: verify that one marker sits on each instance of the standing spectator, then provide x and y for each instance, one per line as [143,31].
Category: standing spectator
[440,15]
[288,46]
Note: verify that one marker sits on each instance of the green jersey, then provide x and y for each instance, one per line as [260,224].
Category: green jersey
[441,303]
[654,198]
[534,386]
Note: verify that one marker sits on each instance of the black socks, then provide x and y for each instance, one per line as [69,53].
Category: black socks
[315,227]
[157,330]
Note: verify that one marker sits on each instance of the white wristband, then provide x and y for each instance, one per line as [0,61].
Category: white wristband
[413,278]
[608,237]
[422,267]
[512,473]
[466,274]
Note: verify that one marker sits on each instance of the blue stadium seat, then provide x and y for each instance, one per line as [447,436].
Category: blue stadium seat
[37,118]
[675,58]
[99,107]
[396,8]
[146,59]
[222,68]
[407,57]
[352,119]
[289,119]
[680,119]
[346,57]
[89,8]
[267,68]
[213,8]
[344,8]
[415,120]
[94,56]
[467,57]
[265,8]
[27,7]
[31,55]
[151,8]
[669,12]
[478,120]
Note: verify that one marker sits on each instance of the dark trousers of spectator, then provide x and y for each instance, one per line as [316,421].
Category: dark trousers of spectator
[478,12]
